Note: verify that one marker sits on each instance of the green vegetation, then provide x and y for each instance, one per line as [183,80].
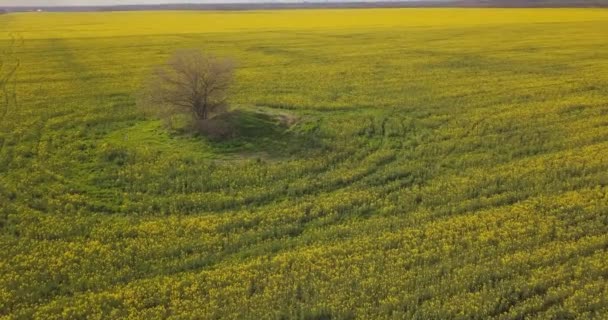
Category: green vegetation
[393,164]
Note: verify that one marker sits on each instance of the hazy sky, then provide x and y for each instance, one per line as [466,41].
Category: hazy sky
[115,2]
[108,2]
[41,3]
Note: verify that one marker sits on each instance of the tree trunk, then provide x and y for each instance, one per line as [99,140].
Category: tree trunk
[205,113]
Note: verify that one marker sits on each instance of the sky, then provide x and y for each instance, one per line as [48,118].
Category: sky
[115,2]
[102,2]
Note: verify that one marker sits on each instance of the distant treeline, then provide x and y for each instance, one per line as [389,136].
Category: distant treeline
[321,5]
[530,3]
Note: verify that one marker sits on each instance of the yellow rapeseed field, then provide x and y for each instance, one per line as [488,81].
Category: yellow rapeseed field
[439,164]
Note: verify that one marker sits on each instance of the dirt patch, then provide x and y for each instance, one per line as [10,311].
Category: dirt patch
[287,120]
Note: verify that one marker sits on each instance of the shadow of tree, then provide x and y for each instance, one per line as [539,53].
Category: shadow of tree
[255,132]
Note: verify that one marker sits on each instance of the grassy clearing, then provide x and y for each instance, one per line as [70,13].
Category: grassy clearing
[445,163]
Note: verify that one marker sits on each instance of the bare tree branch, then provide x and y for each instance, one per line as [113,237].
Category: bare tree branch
[190,83]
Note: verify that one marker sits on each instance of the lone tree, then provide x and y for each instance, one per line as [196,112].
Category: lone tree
[190,83]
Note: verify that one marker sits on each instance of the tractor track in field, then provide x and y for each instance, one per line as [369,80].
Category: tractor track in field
[70,63]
